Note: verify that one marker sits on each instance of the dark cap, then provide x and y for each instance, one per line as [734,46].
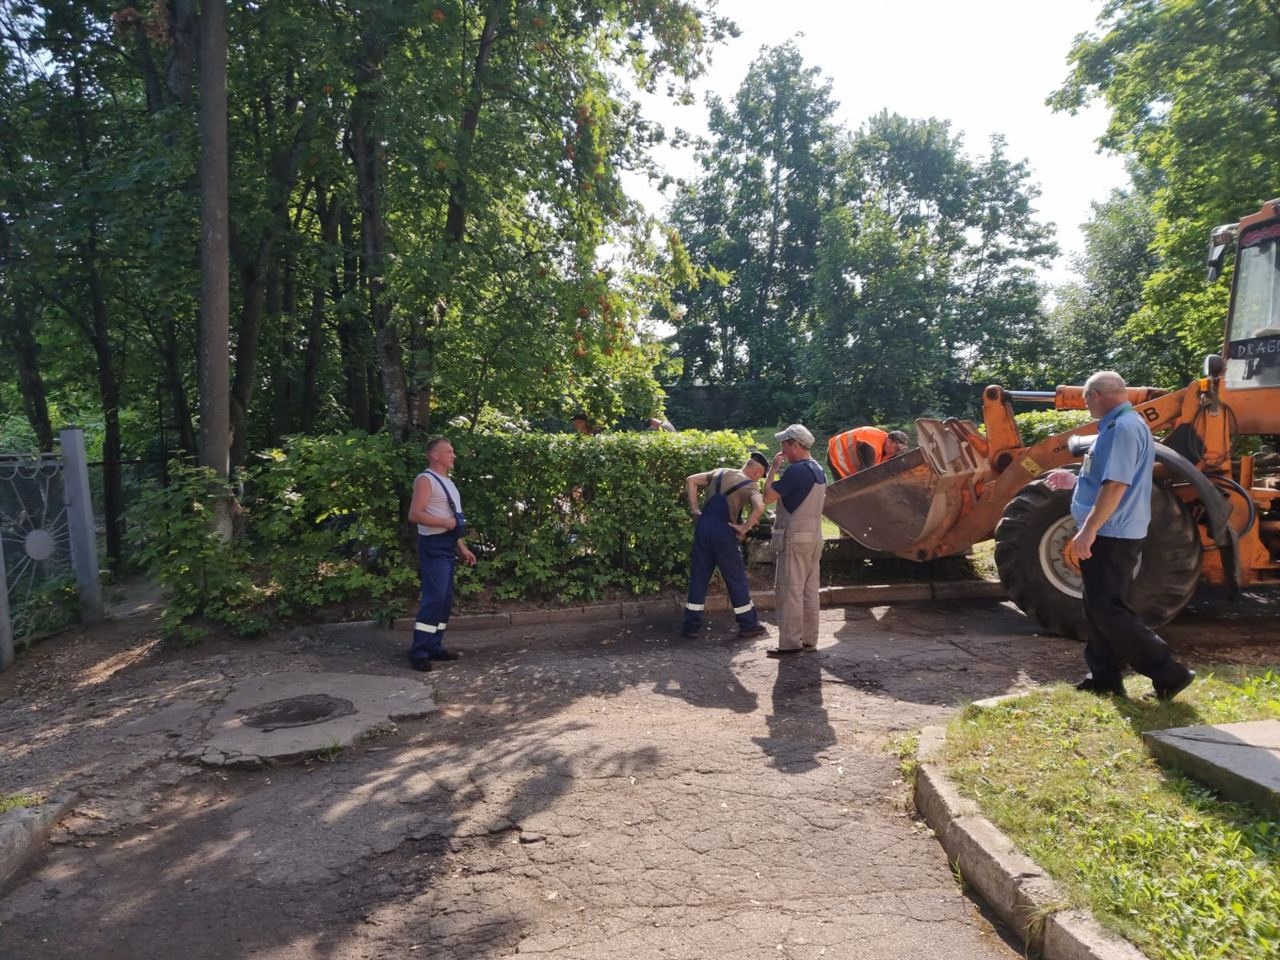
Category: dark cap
[897,436]
[760,458]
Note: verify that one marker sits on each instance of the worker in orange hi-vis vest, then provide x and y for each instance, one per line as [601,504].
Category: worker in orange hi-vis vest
[863,447]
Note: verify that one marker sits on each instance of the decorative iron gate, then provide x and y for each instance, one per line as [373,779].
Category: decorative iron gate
[47,543]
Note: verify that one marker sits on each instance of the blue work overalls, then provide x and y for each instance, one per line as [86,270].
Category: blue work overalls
[715,544]
[437,556]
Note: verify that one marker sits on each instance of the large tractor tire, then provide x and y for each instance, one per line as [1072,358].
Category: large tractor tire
[1030,542]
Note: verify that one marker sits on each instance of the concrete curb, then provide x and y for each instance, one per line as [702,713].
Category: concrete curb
[23,832]
[1020,893]
[858,594]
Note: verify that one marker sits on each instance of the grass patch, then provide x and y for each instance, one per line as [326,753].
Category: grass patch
[904,747]
[331,753]
[983,559]
[1156,856]
[19,801]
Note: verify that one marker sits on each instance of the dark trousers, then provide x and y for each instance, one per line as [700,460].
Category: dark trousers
[1117,636]
[435,570]
[712,549]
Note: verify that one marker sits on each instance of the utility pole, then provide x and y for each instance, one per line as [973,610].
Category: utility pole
[215,295]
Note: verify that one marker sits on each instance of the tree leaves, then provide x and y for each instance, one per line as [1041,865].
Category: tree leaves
[1194,94]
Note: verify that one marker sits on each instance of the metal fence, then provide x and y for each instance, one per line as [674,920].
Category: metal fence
[48,549]
[136,476]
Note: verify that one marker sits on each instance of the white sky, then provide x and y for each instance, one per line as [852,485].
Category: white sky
[985,65]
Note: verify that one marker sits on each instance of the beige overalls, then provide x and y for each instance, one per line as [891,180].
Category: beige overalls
[797,538]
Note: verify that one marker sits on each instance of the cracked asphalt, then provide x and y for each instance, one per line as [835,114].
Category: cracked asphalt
[592,791]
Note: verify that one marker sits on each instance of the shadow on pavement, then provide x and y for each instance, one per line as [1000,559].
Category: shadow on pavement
[437,836]
[799,730]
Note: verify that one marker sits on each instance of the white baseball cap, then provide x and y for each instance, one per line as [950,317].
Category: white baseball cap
[797,432]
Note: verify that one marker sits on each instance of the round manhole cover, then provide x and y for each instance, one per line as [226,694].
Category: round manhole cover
[296,711]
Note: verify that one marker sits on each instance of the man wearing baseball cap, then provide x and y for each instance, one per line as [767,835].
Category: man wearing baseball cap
[797,539]
[715,541]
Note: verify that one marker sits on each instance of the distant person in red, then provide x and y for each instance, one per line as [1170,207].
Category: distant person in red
[661,423]
[863,447]
[582,424]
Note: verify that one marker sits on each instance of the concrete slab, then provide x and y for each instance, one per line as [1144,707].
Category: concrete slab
[877,594]
[23,832]
[969,590]
[1239,760]
[269,718]
[1075,935]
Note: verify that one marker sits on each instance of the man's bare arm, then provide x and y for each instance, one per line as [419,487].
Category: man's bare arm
[692,484]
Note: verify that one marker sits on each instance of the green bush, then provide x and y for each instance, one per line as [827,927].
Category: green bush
[206,576]
[46,609]
[328,512]
[553,515]
[568,516]
[1042,424]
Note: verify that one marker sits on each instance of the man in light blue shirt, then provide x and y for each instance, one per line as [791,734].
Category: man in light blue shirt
[1112,509]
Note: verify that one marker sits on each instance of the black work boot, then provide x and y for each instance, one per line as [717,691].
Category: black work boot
[1168,689]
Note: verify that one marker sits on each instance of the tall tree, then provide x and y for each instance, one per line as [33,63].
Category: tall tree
[754,217]
[215,299]
[20,303]
[1096,324]
[423,200]
[926,275]
[1194,92]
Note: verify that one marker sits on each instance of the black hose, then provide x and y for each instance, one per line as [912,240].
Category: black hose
[1221,480]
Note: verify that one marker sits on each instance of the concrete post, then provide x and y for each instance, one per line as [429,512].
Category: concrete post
[6,627]
[84,540]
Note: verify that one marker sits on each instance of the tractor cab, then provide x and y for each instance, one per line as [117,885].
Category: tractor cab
[1251,382]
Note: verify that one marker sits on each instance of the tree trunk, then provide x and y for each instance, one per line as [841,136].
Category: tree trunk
[99,334]
[256,277]
[456,219]
[215,280]
[109,391]
[183,23]
[283,368]
[370,160]
[177,389]
[353,329]
[328,211]
[21,342]
[456,214]
[253,298]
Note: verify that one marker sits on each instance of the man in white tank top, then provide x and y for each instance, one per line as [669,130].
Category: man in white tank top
[437,511]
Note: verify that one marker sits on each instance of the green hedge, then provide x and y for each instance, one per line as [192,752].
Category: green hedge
[559,516]
[552,515]
[1041,424]
[569,516]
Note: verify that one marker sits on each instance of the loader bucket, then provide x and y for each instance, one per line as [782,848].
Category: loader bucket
[905,505]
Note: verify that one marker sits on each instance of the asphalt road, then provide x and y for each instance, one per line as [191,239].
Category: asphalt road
[584,792]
